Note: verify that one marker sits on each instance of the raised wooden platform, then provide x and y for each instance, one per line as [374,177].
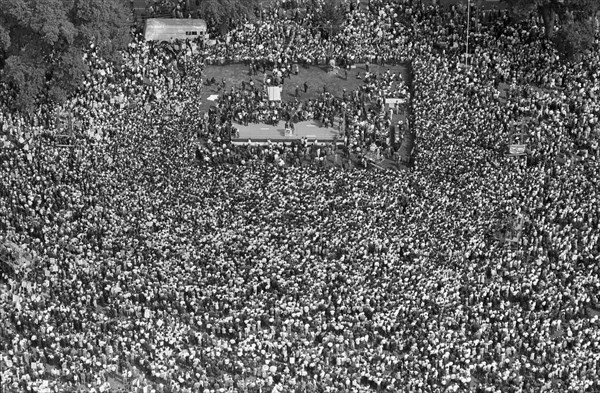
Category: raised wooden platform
[311,130]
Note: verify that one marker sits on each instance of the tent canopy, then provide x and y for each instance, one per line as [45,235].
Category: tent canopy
[171,29]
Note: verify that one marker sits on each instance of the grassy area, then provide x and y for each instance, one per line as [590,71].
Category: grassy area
[315,77]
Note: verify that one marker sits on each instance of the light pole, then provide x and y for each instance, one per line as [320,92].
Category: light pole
[468,27]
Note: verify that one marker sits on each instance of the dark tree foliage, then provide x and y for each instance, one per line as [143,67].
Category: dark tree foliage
[221,15]
[574,38]
[333,14]
[568,23]
[328,16]
[42,44]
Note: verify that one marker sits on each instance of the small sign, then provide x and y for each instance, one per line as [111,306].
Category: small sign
[517,150]
[391,101]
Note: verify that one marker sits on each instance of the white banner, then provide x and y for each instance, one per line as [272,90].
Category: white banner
[517,150]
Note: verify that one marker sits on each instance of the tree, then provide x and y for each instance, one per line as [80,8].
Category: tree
[42,43]
[223,14]
[332,15]
[568,23]
[555,12]
[573,39]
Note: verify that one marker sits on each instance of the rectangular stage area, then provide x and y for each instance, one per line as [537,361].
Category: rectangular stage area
[310,130]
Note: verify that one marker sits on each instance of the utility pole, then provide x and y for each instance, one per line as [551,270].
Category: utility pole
[468,27]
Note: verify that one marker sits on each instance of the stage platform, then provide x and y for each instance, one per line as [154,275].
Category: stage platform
[311,130]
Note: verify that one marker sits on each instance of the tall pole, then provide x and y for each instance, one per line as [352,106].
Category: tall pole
[468,27]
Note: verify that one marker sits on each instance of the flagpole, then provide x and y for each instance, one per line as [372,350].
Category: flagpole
[468,28]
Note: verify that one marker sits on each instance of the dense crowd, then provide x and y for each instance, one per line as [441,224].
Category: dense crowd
[168,265]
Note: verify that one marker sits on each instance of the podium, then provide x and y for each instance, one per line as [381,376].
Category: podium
[289,132]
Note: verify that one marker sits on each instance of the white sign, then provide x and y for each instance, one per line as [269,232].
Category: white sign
[274,93]
[394,101]
[517,150]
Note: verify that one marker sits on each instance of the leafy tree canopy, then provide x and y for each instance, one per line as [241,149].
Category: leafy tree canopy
[569,23]
[42,43]
[333,14]
[221,15]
